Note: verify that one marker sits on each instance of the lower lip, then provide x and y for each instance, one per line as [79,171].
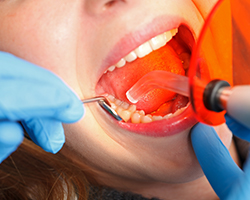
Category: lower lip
[163,128]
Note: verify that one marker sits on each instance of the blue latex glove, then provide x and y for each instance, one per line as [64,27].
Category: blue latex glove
[227,179]
[39,100]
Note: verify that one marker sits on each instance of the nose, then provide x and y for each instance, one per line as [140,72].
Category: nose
[102,6]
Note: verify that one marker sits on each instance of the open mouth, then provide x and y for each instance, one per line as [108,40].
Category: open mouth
[159,112]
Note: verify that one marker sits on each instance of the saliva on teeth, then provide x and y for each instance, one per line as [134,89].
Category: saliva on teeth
[129,113]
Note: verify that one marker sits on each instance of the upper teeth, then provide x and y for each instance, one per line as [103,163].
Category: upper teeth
[146,48]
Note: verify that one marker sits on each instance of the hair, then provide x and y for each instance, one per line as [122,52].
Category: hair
[32,173]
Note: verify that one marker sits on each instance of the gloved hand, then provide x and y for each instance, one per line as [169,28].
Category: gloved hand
[39,100]
[227,179]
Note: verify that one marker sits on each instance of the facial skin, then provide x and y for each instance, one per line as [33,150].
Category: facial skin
[73,39]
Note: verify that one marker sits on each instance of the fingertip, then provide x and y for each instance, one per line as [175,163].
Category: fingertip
[55,146]
[53,136]
[46,133]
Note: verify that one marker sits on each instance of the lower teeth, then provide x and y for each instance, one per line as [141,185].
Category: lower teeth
[129,113]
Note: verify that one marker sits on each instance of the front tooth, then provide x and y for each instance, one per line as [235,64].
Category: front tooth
[168,36]
[121,63]
[111,68]
[132,108]
[177,112]
[113,106]
[125,115]
[174,31]
[136,118]
[157,118]
[141,112]
[131,56]
[146,119]
[125,105]
[168,116]
[118,102]
[143,50]
[119,110]
[111,98]
[158,41]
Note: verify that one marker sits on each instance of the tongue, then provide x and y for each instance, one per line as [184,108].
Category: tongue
[120,80]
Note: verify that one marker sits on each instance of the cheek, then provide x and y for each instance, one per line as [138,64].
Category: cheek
[45,36]
[40,42]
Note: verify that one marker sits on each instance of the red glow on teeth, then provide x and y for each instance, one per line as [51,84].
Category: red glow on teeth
[120,80]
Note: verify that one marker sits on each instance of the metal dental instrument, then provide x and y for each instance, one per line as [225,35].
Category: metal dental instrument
[103,102]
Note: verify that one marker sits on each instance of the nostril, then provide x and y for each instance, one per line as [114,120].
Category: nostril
[111,3]
[99,6]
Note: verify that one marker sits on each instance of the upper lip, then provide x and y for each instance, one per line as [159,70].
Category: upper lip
[132,40]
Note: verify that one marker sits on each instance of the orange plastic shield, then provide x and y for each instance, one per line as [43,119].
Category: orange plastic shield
[212,59]
[241,41]
[222,52]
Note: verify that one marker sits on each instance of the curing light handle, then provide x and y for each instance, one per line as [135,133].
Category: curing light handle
[219,96]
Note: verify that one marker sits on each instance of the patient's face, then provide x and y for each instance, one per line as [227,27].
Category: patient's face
[95,47]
